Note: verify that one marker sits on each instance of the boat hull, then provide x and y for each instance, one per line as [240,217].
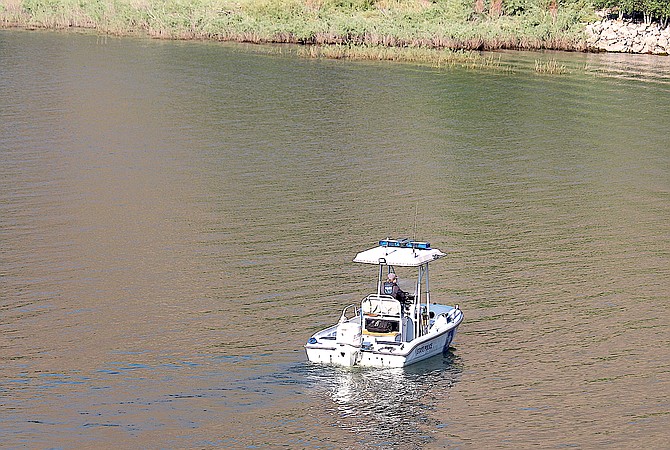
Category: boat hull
[323,348]
[423,349]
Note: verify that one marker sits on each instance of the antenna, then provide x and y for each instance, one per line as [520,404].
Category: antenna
[416,213]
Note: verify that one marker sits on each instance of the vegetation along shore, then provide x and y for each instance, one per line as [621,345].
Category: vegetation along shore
[465,25]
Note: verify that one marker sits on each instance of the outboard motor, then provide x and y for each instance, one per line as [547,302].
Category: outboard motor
[348,341]
[348,333]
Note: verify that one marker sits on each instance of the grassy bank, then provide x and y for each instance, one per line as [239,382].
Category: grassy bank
[450,24]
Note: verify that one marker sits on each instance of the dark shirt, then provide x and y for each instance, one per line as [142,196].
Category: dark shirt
[394,290]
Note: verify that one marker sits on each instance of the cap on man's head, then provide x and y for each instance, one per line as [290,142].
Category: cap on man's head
[391,276]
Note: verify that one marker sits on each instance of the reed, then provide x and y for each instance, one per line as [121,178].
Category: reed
[439,58]
[550,67]
[444,24]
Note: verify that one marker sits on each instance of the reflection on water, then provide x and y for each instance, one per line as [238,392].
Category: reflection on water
[390,408]
[651,71]
[646,68]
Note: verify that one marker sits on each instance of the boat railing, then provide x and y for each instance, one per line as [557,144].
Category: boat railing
[349,312]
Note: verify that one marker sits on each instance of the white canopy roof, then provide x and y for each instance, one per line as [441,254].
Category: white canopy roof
[399,256]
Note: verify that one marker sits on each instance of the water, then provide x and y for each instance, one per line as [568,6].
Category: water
[176,219]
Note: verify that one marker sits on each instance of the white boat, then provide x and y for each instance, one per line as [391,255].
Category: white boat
[383,331]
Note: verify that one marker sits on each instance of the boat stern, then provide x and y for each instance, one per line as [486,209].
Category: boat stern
[338,345]
[340,354]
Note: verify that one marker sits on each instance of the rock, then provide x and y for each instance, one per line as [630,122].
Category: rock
[616,47]
[618,36]
[650,41]
[609,35]
[596,28]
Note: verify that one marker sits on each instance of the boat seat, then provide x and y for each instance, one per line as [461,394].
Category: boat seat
[377,304]
[392,334]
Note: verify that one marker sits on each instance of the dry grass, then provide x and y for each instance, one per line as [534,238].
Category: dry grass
[550,67]
[371,23]
[426,56]
[11,12]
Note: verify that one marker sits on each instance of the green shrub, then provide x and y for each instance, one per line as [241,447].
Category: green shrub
[403,23]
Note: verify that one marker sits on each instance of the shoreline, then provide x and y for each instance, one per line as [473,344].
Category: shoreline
[374,23]
[388,30]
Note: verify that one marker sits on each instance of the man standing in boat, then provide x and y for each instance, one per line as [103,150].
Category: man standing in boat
[391,288]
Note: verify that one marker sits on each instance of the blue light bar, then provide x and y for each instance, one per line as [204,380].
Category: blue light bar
[404,243]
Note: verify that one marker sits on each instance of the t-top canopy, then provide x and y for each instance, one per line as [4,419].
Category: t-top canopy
[399,252]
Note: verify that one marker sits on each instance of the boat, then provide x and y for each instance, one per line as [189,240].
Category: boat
[387,330]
